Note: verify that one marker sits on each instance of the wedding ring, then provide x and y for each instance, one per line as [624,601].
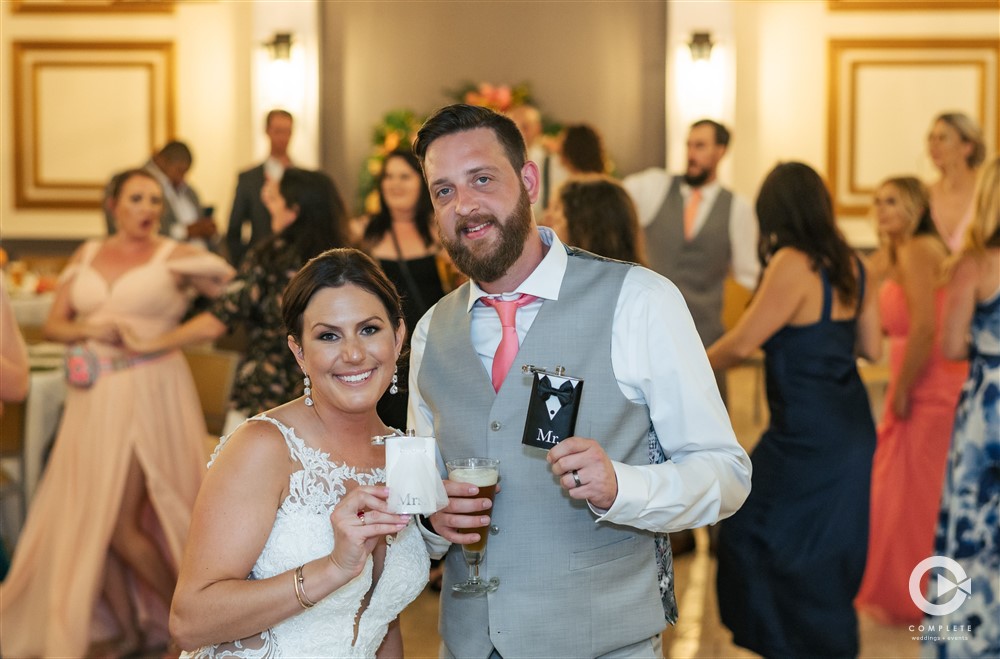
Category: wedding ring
[361,516]
[576,478]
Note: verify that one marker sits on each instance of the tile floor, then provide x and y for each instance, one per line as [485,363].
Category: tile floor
[698,633]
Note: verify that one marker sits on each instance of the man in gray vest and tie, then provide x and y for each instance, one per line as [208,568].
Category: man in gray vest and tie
[698,232]
[571,541]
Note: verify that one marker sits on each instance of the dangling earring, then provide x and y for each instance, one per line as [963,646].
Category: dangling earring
[395,378]
[308,391]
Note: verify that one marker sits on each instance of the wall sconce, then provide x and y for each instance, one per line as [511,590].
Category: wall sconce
[701,46]
[280,48]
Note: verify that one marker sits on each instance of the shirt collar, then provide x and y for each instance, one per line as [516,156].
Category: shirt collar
[173,193]
[544,281]
[708,191]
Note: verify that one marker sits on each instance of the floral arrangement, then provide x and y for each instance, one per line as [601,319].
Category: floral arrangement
[496,97]
[399,128]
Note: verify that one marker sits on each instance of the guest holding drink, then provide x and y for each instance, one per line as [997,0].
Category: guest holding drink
[112,510]
[914,432]
[573,526]
[292,549]
[968,530]
[791,559]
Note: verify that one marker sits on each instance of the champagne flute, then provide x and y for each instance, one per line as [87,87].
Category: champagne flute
[483,473]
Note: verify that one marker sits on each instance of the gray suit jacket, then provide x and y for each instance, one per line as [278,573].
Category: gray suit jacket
[247,207]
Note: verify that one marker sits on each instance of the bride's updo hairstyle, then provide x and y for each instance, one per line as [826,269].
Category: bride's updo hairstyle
[332,269]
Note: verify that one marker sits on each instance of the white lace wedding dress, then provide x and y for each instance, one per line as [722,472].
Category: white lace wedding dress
[301,533]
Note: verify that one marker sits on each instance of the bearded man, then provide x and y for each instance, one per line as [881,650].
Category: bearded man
[572,533]
[698,232]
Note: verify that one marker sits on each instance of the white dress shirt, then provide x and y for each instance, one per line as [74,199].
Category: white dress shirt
[649,189]
[658,360]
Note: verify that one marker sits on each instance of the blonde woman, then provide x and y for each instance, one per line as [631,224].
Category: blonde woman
[913,434]
[968,531]
[955,145]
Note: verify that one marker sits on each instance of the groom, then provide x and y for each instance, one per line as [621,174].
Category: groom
[572,530]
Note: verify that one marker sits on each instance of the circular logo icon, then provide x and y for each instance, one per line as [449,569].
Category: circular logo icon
[961,584]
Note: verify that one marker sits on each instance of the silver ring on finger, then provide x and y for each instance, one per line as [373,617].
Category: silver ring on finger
[361,516]
[576,477]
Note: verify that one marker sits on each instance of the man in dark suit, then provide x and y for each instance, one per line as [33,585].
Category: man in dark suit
[248,209]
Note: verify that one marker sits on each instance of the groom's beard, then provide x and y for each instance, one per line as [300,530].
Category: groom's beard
[491,262]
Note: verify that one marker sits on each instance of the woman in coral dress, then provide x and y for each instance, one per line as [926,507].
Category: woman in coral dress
[97,558]
[915,429]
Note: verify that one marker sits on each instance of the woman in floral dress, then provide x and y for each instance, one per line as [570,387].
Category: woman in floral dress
[968,528]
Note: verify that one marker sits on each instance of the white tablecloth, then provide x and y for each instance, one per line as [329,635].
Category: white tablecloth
[32,310]
[42,413]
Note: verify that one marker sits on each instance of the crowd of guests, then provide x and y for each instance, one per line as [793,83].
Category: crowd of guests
[352,333]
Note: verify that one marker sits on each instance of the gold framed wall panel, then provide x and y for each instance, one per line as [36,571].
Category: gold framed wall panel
[91,6]
[911,5]
[84,110]
[883,95]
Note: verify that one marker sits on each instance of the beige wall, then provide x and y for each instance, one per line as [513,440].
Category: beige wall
[212,83]
[597,62]
[601,62]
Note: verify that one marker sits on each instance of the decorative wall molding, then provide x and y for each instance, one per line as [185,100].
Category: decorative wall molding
[912,5]
[883,95]
[84,110]
[91,6]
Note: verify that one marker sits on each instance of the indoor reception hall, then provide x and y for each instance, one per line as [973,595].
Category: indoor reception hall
[780,285]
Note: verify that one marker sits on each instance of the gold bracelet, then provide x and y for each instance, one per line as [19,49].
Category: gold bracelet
[300,589]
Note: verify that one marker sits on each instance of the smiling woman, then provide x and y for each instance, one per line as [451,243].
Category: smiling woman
[299,491]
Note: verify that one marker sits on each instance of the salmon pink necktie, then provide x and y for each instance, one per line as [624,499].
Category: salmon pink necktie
[507,350]
[691,213]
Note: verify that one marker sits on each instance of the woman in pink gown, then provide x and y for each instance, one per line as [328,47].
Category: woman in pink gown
[111,513]
[956,147]
[915,430]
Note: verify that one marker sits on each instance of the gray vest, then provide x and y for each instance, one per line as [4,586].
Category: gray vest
[698,267]
[569,587]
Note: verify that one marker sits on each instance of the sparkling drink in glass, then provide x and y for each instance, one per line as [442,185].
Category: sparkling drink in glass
[483,473]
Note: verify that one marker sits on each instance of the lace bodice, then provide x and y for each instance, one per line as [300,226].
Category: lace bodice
[301,533]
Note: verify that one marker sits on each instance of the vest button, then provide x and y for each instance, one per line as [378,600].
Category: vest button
[495,426]
[494,530]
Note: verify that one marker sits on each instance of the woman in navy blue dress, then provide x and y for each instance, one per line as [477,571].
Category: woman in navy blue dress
[791,559]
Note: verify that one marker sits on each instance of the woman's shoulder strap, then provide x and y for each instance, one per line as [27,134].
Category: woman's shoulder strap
[861,282]
[824,276]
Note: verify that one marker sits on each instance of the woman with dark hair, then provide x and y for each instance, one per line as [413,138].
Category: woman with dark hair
[401,237]
[293,551]
[581,150]
[595,213]
[307,217]
[791,559]
[95,566]
[920,400]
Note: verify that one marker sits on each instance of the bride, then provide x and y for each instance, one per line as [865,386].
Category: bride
[291,549]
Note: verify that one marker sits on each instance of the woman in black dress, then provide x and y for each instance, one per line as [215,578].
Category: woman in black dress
[791,559]
[401,238]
